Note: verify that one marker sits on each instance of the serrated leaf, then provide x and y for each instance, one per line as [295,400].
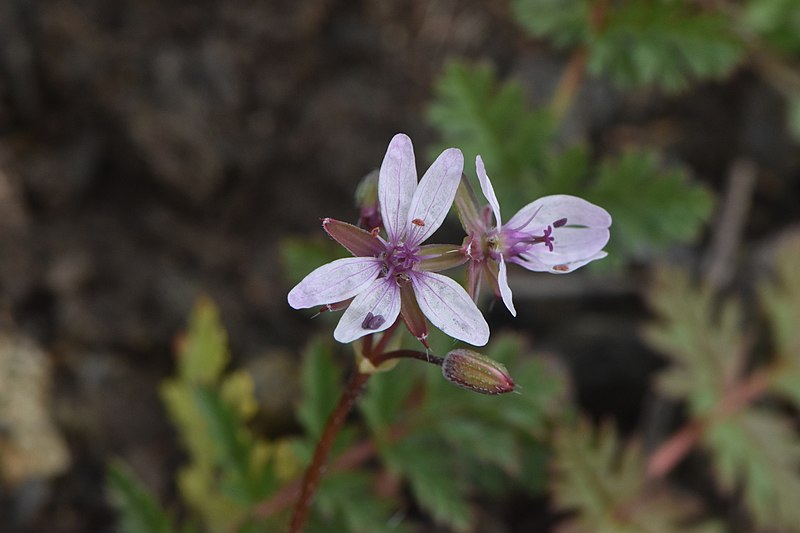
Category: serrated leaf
[349,499]
[321,388]
[759,453]
[781,302]
[663,43]
[702,337]
[473,111]
[434,479]
[564,22]
[139,510]
[383,402]
[203,352]
[603,481]
[652,207]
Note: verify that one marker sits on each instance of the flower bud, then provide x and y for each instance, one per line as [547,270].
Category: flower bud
[476,372]
[367,202]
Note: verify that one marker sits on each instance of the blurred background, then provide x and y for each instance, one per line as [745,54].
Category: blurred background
[152,153]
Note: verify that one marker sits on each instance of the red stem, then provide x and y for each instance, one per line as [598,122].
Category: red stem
[321,452]
[674,449]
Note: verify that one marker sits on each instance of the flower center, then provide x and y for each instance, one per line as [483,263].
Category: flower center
[518,241]
[400,259]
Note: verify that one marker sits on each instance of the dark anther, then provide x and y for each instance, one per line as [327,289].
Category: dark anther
[560,222]
[372,321]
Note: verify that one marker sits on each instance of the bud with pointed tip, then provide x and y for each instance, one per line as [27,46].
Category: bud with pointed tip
[476,372]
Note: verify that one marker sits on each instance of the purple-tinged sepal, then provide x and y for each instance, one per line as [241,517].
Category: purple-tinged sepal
[412,314]
[357,241]
[438,257]
[476,372]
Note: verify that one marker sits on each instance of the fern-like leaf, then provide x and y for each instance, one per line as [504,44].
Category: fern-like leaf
[652,207]
[706,352]
[781,301]
[139,510]
[603,482]
[759,452]
[480,116]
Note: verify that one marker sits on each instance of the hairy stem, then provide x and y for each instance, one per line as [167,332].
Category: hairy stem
[314,471]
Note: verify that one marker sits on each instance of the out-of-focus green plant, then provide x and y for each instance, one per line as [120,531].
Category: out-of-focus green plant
[754,450]
[653,206]
[671,44]
[603,482]
[440,441]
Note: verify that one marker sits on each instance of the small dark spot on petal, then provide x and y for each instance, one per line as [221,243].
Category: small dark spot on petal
[418,222]
[372,321]
[560,222]
[561,268]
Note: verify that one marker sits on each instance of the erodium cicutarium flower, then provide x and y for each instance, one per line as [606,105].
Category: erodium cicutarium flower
[555,234]
[394,275]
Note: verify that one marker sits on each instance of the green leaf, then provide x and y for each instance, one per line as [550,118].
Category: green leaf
[780,299]
[651,207]
[139,510]
[382,404]
[604,483]
[349,499]
[663,43]
[473,111]
[434,478]
[203,352]
[776,21]
[321,388]
[702,337]
[564,22]
[793,116]
[758,453]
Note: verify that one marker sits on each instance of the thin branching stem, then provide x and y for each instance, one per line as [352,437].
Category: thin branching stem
[675,448]
[336,420]
[323,448]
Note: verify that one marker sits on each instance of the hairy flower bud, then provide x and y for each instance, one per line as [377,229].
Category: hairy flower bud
[476,372]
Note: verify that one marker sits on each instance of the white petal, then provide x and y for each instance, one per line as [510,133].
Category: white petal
[434,195]
[488,190]
[334,282]
[396,183]
[548,209]
[533,264]
[505,290]
[571,244]
[448,306]
[381,299]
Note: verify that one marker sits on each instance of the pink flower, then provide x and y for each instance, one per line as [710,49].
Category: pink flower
[389,277]
[556,234]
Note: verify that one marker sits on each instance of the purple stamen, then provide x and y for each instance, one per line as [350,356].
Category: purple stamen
[372,321]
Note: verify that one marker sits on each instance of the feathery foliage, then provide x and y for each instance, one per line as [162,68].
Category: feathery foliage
[653,208]
[662,43]
[754,452]
[702,337]
[604,482]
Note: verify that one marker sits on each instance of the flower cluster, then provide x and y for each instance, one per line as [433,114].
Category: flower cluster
[393,275]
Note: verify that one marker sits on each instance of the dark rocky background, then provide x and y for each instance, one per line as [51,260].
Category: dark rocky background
[153,151]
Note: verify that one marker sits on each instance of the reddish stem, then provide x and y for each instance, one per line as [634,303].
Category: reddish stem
[674,449]
[321,452]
